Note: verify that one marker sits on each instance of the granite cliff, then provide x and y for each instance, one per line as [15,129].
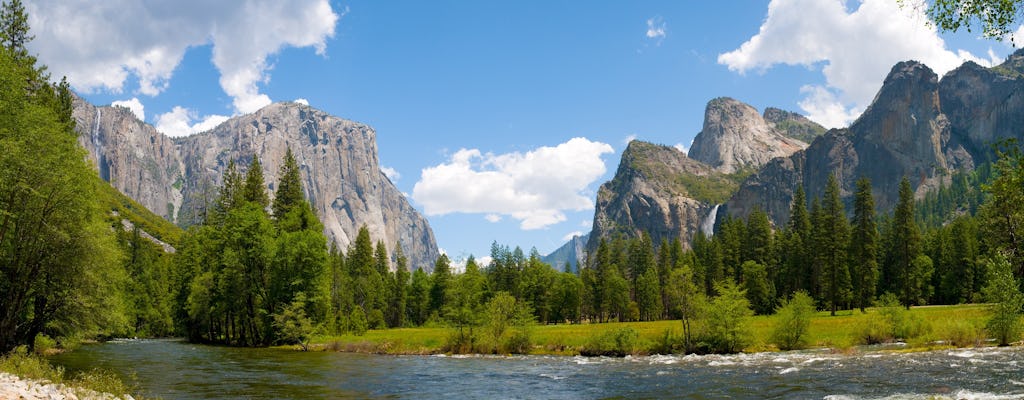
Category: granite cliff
[177,178]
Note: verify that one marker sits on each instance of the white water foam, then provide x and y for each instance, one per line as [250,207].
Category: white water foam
[708,226]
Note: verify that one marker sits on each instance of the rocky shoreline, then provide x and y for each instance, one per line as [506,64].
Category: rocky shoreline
[14,387]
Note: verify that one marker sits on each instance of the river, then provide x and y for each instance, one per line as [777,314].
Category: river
[170,369]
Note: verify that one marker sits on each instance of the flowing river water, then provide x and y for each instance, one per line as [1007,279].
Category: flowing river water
[170,369]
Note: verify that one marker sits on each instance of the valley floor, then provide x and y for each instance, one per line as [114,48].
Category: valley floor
[935,326]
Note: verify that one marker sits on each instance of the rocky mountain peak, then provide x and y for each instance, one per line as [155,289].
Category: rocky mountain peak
[793,125]
[341,176]
[735,136]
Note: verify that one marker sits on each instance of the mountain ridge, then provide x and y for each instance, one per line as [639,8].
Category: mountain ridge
[177,178]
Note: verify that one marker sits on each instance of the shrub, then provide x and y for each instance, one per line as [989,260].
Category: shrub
[963,333]
[727,320]
[614,343]
[21,363]
[42,345]
[1006,299]
[357,321]
[794,319]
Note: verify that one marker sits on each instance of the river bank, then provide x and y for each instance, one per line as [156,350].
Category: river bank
[924,328]
[15,387]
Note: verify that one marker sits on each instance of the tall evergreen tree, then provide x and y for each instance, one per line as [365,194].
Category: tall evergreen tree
[796,263]
[14,33]
[833,242]
[864,246]
[441,279]
[289,186]
[254,189]
[905,248]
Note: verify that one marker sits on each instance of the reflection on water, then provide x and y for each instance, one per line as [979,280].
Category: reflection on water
[178,370]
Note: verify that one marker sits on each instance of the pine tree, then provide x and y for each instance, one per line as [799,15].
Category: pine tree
[14,32]
[864,246]
[833,242]
[289,186]
[758,244]
[254,188]
[797,240]
[400,288]
[905,242]
[441,279]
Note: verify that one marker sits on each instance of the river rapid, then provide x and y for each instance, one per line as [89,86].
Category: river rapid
[170,369]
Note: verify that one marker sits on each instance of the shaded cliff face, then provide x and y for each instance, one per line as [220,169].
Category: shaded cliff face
[658,190]
[735,136]
[130,154]
[572,252]
[906,131]
[338,161]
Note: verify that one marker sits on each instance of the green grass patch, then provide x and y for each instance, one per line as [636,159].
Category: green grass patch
[944,326]
[34,367]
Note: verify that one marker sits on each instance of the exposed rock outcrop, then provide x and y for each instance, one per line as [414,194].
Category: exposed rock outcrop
[573,252]
[653,192]
[904,132]
[177,178]
[736,136]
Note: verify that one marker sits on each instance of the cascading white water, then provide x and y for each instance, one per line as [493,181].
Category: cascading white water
[708,226]
[96,134]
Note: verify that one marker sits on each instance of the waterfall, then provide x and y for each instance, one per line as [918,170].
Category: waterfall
[708,226]
[96,133]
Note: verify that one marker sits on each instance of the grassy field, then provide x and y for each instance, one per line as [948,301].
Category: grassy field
[934,327]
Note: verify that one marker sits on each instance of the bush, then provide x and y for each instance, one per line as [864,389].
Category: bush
[43,344]
[963,334]
[21,363]
[728,315]
[1006,299]
[99,380]
[613,343]
[874,330]
[892,322]
[357,321]
[794,319]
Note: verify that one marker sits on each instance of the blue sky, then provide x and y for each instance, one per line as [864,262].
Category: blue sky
[498,119]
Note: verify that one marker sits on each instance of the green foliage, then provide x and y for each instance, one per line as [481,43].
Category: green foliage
[60,265]
[292,324]
[832,241]
[613,343]
[892,322]
[760,291]
[358,322]
[43,344]
[30,366]
[864,246]
[1003,215]
[904,247]
[289,185]
[727,319]
[508,324]
[993,18]
[792,322]
[1007,301]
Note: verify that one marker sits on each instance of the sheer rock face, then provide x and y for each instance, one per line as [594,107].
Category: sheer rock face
[736,136]
[916,127]
[338,161]
[644,197]
[572,252]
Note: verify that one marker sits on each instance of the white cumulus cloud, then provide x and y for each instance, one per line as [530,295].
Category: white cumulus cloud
[134,105]
[682,148]
[302,101]
[628,139]
[100,45]
[493,218]
[391,173]
[571,235]
[656,28]
[855,49]
[535,188]
[181,121]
